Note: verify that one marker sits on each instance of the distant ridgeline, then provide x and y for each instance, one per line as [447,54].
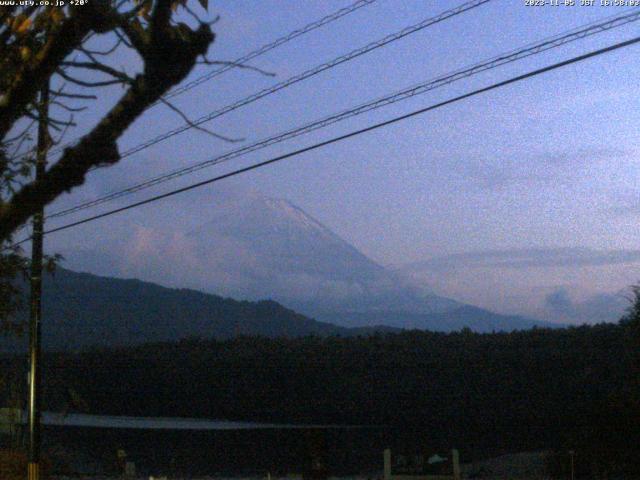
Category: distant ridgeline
[82,310]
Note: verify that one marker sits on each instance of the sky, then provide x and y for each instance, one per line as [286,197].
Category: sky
[546,164]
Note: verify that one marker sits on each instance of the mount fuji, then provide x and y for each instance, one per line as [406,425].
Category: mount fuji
[257,248]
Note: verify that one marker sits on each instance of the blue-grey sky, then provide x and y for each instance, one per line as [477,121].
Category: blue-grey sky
[547,163]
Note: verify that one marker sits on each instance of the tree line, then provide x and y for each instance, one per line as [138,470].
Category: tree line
[574,388]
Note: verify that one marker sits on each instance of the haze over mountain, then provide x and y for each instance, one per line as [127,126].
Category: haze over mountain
[263,248]
[546,283]
[83,310]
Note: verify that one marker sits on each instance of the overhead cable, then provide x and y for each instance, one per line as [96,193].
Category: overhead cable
[351,134]
[308,74]
[421,88]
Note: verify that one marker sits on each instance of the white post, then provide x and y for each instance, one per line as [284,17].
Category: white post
[387,464]
[572,453]
[455,458]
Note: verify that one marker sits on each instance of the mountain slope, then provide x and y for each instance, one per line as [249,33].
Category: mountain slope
[271,248]
[81,310]
[287,240]
[284,253]
[257,247]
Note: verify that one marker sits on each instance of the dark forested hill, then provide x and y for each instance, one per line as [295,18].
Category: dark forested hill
[82,310]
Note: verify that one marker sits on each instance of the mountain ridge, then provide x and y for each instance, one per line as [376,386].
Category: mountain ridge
[259,247]
[82,310]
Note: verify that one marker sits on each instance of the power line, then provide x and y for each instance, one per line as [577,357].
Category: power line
[354,133]
[270,46]
[309,73]
[465,72]
[249,56]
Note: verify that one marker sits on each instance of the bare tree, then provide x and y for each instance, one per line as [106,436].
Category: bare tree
[56,46]
[38,44]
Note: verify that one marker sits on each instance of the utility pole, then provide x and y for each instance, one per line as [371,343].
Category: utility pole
[36,296]
[572,453]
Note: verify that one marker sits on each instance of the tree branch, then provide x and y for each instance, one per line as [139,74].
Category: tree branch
[179,47]
[67,107]
[87,84]
[28,79]
[198,127]
[104,52]
[78,96]
[206,61]
[99,67]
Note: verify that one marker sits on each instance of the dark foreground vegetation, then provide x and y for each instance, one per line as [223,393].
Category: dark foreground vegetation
[571,389]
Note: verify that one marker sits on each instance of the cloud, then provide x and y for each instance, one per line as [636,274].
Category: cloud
[542,169]
[597,308]
[531,258]
[559,302]
[628,204]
